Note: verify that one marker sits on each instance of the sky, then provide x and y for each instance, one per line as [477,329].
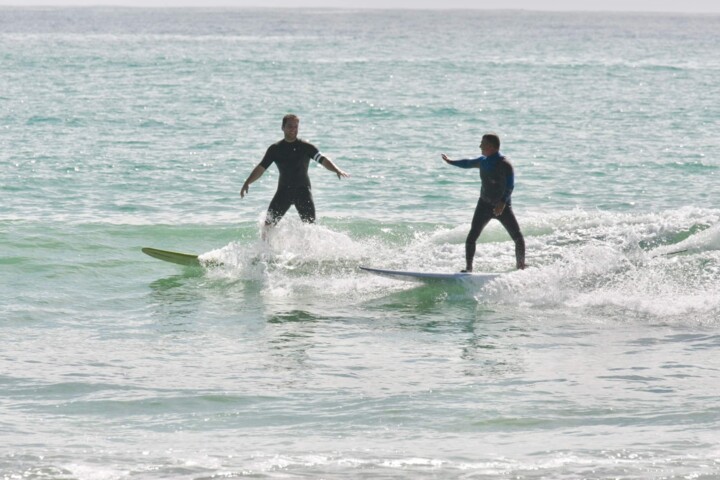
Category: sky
[690,6]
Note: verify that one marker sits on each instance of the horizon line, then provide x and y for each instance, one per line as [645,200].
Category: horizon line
[25,5]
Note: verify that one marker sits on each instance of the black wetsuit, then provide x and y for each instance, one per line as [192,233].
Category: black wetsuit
[292,160]
[498,181]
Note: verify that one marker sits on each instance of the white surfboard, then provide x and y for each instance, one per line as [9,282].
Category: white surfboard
[429,277]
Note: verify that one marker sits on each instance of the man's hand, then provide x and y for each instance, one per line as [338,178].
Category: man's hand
[445,157]
[254,175]
[327,163]
[499,208]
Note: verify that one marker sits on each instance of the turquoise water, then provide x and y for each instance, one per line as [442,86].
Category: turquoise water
[121,129]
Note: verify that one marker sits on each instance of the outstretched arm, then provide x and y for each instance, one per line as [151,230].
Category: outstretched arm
[475,163]
[327,163]
[254,175]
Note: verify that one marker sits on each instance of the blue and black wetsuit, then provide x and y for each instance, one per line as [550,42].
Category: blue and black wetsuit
[292,160]
[498,181]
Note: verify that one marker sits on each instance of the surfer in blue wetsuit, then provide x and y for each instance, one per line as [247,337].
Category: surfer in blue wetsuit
[292,157]
[497,183]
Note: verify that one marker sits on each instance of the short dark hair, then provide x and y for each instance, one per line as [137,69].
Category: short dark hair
[493,139]
[288,117]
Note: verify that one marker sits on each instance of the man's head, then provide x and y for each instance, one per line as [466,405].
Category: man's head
[290,125]
[490,144]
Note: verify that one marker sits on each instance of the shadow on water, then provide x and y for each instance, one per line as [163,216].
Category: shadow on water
[196,296]
[167,284]
[293,316]
[193,296]
[176,287]
[195,282]
[426,298]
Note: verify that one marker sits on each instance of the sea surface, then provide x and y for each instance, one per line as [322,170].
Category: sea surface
[281,359]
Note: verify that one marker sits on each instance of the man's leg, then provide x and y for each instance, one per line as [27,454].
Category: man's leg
[279,206]
[508,220]
[305,205]
[481,217]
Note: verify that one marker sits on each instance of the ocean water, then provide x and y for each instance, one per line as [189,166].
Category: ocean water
[127,128]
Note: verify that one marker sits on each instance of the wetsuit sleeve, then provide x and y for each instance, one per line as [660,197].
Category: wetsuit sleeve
[313,152]
[269,158]
[469,163]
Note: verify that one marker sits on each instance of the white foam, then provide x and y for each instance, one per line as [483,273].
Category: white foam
[590,261]
[578,260]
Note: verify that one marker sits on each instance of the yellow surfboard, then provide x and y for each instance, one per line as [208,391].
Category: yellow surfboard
[185,259]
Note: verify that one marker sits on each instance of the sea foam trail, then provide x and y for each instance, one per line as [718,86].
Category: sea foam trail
[584,261]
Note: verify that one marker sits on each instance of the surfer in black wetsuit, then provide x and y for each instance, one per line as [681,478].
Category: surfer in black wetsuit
[292,157]
[498,180]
